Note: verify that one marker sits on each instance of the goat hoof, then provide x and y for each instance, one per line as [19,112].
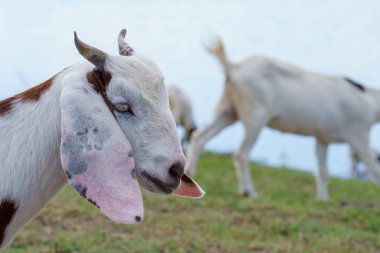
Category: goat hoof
[251,195]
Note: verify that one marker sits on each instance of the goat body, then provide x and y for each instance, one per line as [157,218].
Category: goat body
[31,172]
[261,91]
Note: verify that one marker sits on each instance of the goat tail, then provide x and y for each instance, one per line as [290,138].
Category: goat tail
[217,49]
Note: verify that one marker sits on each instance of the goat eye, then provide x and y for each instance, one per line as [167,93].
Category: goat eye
[123,108]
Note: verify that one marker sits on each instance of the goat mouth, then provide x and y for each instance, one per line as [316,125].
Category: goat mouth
[155,184]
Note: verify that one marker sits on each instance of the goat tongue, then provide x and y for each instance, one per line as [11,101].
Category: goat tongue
[189,188]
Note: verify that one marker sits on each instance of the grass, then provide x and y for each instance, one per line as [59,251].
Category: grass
[286,218]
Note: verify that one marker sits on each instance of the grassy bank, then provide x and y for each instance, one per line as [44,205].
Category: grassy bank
[286,218]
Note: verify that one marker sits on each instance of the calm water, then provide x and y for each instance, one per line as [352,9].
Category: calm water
[332,37]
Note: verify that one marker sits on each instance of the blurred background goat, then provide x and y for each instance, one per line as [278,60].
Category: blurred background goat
[180,105]
[261,91]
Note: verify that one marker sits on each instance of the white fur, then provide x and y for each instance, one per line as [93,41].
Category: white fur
[261,91]
[31,172]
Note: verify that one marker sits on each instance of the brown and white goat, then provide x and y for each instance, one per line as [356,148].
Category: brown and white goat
[105,129]
[180,105]
[261,91]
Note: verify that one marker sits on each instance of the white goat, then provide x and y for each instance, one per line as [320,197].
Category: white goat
[107,129]
[260,91]
[180,105]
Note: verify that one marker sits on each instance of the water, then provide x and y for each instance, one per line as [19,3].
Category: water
[332,37]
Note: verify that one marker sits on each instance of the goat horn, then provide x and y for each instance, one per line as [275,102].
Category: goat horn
[124,48]
[92,54]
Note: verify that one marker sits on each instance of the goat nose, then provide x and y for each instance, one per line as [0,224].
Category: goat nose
[176,170]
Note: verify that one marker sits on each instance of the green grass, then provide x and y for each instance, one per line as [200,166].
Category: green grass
[286,218]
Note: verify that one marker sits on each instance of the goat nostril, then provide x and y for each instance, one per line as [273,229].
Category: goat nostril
[176,170]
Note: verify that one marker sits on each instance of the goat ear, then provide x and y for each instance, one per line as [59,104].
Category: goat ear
[97,157]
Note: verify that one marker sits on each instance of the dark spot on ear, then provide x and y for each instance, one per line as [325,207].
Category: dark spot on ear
[138,218]
[93,202]
[74,148]
[68,174]
[130,154]
[87,136]
[355,84]
[7,211]
[81,189]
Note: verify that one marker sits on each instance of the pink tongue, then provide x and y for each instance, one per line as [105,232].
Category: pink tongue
[189,188]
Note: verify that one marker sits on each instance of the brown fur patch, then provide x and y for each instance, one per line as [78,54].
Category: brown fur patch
[100,81]
[6,105]
[7,211]
[35,93]
[31,95]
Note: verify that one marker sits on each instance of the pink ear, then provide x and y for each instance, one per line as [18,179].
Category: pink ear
[97,157]
[189,188]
